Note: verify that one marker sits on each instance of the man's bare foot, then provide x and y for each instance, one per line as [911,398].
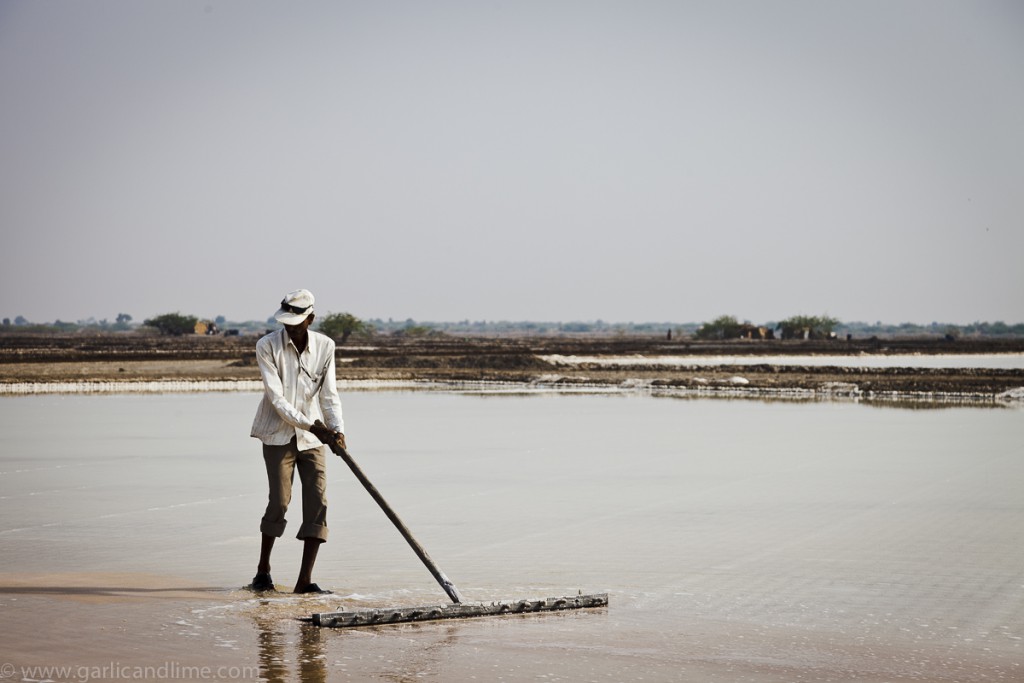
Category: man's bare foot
[262,582]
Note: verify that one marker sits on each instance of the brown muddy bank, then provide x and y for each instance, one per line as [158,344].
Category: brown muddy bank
[136,357]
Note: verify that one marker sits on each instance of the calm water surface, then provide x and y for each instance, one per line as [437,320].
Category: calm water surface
[739,540]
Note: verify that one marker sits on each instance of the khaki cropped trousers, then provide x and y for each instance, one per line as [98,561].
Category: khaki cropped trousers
[282,461]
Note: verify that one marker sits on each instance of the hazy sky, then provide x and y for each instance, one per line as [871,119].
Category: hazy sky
[552,160]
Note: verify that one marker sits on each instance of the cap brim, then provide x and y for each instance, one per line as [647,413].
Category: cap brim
[289,318]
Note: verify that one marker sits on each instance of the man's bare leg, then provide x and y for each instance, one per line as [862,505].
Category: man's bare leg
[265,549]
[309,550]
[262,582]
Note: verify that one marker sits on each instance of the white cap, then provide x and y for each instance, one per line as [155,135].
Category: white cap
[295,307]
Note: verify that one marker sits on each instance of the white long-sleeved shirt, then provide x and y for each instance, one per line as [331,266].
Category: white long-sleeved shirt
[298,389]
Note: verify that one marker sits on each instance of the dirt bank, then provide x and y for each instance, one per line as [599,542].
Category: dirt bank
[135,357]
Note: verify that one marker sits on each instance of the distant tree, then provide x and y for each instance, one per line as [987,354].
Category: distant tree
[173,323]
[121,322]
[341,326]
[20,320]
[722,327]
[220,320]
[998,327]
[415,331]
[7,322]
[814,326]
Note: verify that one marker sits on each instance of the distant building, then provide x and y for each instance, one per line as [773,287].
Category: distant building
[755,332]
[206,327]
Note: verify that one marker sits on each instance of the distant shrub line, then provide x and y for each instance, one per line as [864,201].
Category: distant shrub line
[342,326]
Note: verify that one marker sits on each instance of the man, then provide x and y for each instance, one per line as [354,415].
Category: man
[300,394]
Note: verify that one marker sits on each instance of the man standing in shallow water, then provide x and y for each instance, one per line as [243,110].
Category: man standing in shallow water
[300,394]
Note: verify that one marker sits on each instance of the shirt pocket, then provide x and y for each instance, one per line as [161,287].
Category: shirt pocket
[312,384]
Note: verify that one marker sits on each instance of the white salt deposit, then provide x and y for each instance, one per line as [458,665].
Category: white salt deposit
[1016,394]
[183,386]
[1001,361]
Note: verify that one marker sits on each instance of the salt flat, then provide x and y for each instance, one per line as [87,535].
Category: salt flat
[739,540]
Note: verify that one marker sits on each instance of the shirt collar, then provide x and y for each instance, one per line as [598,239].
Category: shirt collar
[288,341]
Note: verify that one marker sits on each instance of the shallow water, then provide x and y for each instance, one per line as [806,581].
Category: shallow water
[739,540]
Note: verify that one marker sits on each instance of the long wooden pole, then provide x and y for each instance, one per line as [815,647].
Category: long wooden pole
[421,553]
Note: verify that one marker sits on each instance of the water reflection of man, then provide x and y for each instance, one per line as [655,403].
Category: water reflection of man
[300,394]
[273,637]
